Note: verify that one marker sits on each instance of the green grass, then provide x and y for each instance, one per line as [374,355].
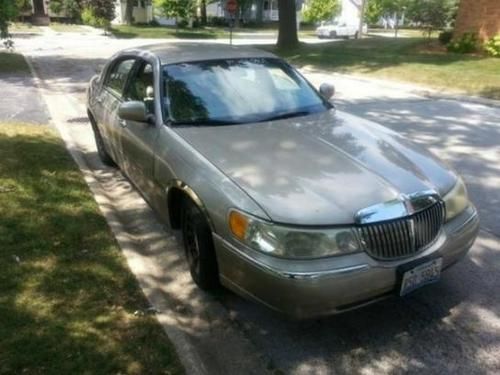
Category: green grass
[167,32]
[67,28]
[67,298]
[404,59]
[134,31]
[23,27]
[11,63]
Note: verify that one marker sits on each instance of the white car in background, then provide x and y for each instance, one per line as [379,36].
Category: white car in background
[339,29]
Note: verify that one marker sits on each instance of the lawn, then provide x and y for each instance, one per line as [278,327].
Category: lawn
[67,297]
[145,31]
[404,59]
[23,27]
[135,31]
[11,63]
[67,28]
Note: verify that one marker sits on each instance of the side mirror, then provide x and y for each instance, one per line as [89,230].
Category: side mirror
[133,111]
[327,90]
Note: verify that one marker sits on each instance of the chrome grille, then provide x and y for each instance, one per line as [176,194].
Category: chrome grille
[403,237]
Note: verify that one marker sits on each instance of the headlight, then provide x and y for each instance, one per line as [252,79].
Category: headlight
[456,200]
[289,242]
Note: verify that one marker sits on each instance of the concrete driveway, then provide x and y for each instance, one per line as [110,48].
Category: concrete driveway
[452,326]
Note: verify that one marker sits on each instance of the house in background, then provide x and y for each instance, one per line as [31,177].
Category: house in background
[481,17]
[269,10]
[41,14]
[141,13]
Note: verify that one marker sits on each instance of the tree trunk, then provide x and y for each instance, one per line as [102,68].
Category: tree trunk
[129,9]
[259,15]
[361,18]
[396,25]
[287,35]
[203,12]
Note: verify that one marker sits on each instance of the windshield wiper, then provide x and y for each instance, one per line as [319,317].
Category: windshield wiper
[286,115]
[207,122]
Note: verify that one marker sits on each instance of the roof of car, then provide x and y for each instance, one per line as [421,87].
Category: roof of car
[171,53]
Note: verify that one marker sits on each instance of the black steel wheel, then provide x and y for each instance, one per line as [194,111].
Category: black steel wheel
[101,147]
[199,247]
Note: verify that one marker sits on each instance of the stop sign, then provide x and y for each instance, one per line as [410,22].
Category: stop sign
[231,6]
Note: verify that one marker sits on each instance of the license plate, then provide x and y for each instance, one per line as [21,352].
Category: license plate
[421,275]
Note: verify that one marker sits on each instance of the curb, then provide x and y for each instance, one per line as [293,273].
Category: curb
[187,353]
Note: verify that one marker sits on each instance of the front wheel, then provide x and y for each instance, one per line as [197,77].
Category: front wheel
[199,247]
[101,148]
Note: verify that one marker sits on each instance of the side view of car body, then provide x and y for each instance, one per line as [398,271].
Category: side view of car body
[339,29]
[279,196]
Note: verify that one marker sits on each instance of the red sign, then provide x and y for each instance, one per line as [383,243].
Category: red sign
[231,6]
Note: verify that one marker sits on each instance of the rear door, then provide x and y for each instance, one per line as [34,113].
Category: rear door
[110,98]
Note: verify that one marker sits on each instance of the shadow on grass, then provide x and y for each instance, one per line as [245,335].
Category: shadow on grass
[67,298]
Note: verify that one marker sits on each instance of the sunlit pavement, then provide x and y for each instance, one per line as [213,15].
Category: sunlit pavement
[452,326]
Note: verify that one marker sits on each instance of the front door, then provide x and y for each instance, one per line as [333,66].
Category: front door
[108,102]
[38,8]
[138,138]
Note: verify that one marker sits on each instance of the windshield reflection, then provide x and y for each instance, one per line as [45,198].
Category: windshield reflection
[233,91]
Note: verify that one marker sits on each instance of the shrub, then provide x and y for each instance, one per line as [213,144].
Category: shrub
[445,37]
[492,46]
[88,16]
[467,43]
[217,21]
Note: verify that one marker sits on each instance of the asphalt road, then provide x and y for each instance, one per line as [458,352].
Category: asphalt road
[449,327]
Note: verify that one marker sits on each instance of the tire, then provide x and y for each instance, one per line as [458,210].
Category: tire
[199,247]
[356,36]
[101,147]
[333,34]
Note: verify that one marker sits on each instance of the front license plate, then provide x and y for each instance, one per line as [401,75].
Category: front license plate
[421,275]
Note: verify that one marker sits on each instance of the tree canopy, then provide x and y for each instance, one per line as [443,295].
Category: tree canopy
[430,14]
[8,11]
[321,10]
[178,9]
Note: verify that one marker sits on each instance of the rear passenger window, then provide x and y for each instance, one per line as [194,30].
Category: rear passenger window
[118,76]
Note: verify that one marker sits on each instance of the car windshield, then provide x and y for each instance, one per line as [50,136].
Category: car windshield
[237,91]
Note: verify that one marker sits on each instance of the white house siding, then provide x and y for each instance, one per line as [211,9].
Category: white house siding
[142,12]
[350,11]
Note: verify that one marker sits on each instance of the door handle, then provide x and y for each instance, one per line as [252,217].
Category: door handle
[123,123]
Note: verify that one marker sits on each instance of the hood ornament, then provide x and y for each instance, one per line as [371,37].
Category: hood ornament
[404,205]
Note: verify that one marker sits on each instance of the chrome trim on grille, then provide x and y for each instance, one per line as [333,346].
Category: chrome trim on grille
[403,237]
[403,205]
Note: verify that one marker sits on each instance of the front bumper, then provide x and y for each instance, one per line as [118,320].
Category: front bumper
[309,288]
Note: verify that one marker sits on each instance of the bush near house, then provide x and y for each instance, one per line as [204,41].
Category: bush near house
[467,43]
[445,37]
[98,13]
[492,46]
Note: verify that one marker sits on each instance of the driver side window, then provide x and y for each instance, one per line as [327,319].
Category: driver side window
[117,78]
[141,87]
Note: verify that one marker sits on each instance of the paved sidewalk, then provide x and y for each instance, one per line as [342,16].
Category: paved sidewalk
[20,100]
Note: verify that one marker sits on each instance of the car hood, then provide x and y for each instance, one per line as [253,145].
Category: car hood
[319,169]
